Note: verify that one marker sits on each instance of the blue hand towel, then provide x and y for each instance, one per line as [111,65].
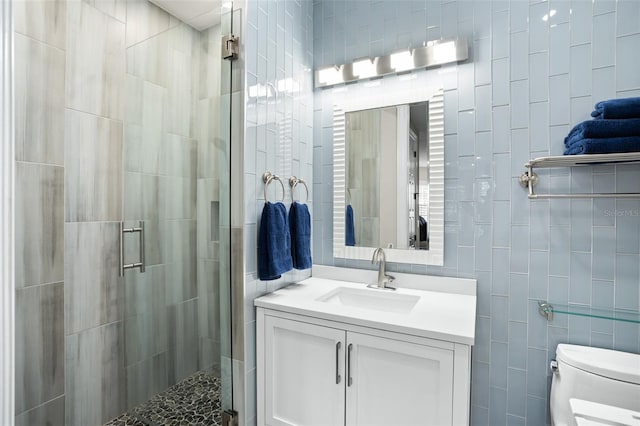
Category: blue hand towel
[596,129]
[300,226]
[274,243]
[617,108]
[604,146]
[350,229]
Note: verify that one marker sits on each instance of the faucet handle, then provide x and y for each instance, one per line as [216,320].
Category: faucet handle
[388,279]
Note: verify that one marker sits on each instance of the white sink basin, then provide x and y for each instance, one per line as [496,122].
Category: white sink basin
[444,310]
[377,300]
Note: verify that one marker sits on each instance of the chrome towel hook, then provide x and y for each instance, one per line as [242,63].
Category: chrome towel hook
[293,182]
[267,178]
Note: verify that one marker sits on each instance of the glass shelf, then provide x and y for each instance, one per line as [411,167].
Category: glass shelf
[548,310]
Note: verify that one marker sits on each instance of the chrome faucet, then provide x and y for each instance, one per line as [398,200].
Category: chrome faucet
[383,277]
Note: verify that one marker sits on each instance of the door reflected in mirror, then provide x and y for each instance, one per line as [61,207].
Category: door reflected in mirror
[387,177]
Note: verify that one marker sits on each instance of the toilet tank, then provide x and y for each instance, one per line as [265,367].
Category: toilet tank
[593,374]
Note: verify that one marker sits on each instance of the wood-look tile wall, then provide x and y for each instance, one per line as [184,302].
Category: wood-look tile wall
[172,183]
[94,293]
[117,112]
[39,136]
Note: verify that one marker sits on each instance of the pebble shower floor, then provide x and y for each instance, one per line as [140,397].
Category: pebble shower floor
[194,401]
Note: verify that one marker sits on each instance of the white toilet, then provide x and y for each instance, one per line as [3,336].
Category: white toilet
[590,383]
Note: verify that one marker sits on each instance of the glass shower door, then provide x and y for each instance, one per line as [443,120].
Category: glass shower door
[176,186]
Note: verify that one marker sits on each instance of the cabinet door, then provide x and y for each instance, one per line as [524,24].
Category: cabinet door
[397,383]
[304,373]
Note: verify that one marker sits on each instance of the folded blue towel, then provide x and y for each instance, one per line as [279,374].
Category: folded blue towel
[596,129]
[617,108]
[350,229]
[274,243]
[300,226]
[604,146]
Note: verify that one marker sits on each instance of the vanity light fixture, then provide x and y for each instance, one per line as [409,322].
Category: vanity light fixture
[432,54]
[364,68]
[329,76]
[402,61]
[444,52]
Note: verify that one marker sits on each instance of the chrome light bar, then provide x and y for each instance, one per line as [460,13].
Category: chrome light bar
[432,54]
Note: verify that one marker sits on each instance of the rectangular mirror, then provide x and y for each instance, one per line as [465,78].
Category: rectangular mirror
[389,180]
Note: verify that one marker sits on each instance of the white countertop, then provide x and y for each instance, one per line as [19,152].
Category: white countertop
[436,315]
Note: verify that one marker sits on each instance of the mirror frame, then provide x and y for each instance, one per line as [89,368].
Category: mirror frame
[371,99]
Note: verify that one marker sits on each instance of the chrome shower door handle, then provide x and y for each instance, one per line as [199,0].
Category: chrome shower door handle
[121,269]
[141,263]
[349,378]
[338,378]
[141,235]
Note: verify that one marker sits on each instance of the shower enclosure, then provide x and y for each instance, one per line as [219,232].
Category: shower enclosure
[175,164]
[123,311]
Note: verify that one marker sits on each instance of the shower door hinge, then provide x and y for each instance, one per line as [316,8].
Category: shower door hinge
[229,47]
[229,418]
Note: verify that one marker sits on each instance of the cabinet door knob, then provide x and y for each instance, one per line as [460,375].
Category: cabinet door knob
[338,378]
[349,378]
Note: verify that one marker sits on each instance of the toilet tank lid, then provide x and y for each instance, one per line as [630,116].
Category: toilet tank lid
[615,365]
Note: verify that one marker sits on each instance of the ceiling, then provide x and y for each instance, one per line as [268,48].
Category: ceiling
[200,14]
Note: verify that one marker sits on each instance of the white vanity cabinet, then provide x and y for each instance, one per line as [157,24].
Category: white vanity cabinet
[313,371]
[300,363]
[394,382]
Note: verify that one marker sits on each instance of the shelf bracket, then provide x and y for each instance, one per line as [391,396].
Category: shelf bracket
[545,309]
[528,180]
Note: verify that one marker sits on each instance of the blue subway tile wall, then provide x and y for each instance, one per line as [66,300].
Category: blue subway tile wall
[278,138]
[536,69]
